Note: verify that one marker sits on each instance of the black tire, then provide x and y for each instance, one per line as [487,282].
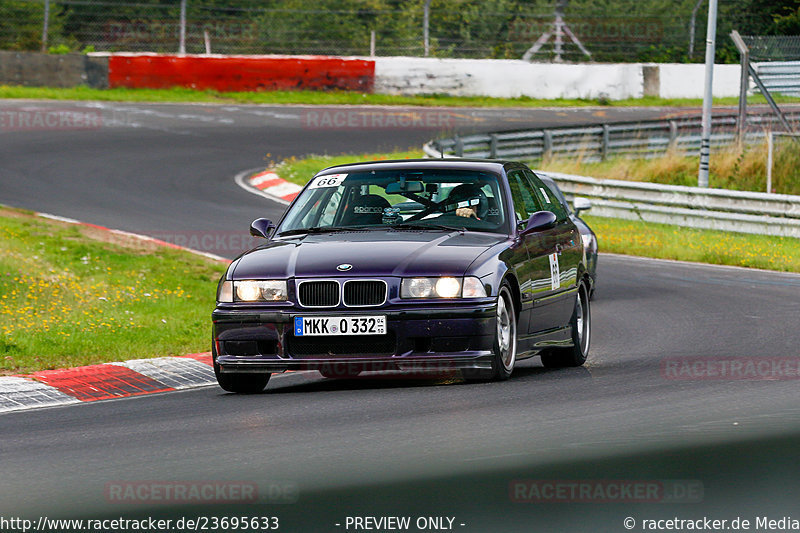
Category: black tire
[504,351]
[240,382]
[581,323]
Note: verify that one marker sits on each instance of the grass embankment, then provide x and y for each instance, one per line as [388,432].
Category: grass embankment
[665,241]
[622,236]
[741,169]
[177,95]
[300,170]
[74,295]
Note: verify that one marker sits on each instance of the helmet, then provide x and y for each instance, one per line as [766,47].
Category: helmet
[468,195]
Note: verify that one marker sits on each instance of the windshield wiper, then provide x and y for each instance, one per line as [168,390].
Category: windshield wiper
[324,229]
[328,229]
[334,229]
[422,225]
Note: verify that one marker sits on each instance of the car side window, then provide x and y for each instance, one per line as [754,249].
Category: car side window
[523,194]
[546,197]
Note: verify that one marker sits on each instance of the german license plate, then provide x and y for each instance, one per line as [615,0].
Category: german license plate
[307,326]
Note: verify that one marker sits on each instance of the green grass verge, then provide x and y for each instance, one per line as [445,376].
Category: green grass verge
[664,241]
[73,295]
[623,236]
[734,168]
[341,98]
[300,170]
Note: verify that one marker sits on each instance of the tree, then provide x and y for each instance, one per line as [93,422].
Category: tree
[21,25]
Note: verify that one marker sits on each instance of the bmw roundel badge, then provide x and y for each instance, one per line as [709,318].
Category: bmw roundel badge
[344,267]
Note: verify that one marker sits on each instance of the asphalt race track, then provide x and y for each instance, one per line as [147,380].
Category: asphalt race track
[321,450]
[168,168]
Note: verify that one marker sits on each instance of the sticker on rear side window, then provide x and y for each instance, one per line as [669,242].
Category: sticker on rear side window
[331,180]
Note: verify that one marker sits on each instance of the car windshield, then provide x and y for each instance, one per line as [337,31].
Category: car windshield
[435,199]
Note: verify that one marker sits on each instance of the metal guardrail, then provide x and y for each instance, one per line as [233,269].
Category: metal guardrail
[595,143]
[780,77]
[719,209]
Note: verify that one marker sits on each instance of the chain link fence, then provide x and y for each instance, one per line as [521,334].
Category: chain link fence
[457,28]
[773,47]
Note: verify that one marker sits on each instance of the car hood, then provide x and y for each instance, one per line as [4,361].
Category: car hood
[371,253]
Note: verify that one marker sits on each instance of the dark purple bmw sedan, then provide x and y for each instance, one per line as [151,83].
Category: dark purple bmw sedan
[451,264]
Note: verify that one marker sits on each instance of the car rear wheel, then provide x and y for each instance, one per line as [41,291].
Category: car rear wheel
[581,323]
[504,353]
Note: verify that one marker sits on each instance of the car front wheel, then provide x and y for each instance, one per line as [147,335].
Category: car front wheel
[241,382]
[504,353]
[581,324]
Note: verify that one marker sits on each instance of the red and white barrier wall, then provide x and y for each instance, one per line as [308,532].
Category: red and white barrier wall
[240,73]
[503,78]
[508,78]
[418,75]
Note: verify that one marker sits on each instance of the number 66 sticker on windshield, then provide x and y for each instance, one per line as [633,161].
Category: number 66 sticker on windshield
[331,180]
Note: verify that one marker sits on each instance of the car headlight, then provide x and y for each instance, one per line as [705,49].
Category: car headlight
[447,287]
[587,241]
[444,287]
[416,288]
[252,291]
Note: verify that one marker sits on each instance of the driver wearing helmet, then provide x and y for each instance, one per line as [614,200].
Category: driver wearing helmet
[470,201]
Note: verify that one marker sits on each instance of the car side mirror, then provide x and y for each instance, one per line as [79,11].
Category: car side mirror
[581,204]
[539,221]
[261,227]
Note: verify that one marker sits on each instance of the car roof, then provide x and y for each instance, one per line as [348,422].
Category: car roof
[492,165]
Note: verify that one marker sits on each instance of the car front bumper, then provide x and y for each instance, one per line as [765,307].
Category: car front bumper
[443,337]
